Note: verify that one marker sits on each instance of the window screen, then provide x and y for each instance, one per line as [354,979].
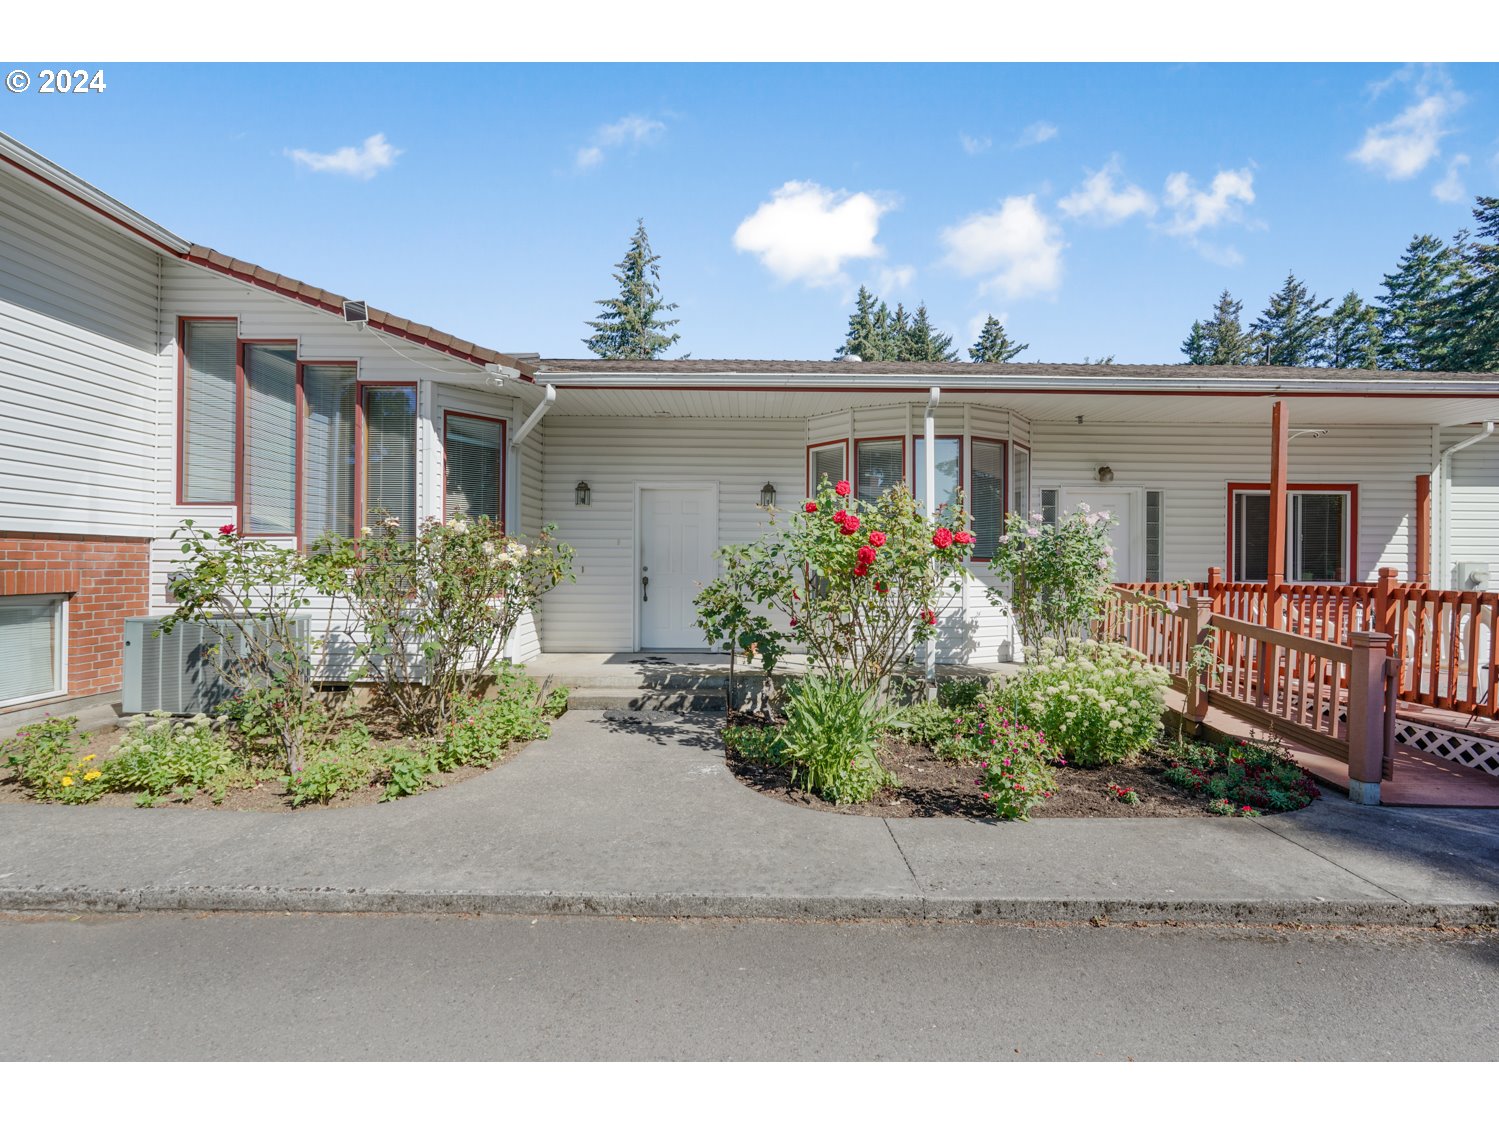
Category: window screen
[328,451]
[208,411]
[31,638]
[1049,501]
[988,496]
[880,466]
[827,460]
[1154,535]
[1020,495]
[1318,520]
[390,455]
[270,486]
[474,452]
[949,465]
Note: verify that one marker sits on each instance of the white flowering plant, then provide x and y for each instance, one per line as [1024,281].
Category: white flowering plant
[1097,705]
[1060,574]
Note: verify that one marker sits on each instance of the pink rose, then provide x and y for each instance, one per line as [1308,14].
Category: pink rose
[227,529]
[842,488]
[942,538]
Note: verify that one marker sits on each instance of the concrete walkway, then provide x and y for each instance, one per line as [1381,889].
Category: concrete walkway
[627,813]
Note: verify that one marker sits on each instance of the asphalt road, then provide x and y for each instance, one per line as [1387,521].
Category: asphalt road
[279,987]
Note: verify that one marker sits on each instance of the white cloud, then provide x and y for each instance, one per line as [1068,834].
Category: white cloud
[807,232]
[1017,246]
[1402,146]
[894,278]
[974,145]
[1193,210]
[631,131]
[1101,201]
[1450,188]
[1037,132]
[365,162]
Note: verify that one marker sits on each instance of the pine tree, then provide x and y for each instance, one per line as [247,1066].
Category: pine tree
[1473,318]
[1221,339]
[1195,346]
[1352,336]
[898,335]
[993,345]
[924,344]
[866,328]
[1289,332]
[1417,311]
[630,327]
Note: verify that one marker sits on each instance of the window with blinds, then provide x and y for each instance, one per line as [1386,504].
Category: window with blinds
[827,460]
[474,453]
[209,421]
[390,455]
[880,465]
[328,394]
[987,498]
[1251,536]
[269,501]
[1317,536]
[1020,493]
[1154,535]
[948,462]
[31,636]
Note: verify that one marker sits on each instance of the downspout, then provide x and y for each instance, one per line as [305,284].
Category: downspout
[929,450]
[512,476]
[1444,516]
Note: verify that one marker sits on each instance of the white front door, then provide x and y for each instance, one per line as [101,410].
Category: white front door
[678,534]
[1122,504]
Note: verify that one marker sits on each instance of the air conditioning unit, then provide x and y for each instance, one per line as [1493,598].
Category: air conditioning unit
[175,671]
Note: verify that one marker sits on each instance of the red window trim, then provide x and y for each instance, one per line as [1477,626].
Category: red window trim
[504,450]
[807,460]
[360,504]
[241,383]
[854,478]
[302,365]
[182,323]
[1236,487]
[1004,488]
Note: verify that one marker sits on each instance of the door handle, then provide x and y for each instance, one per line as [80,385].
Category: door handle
[645,582]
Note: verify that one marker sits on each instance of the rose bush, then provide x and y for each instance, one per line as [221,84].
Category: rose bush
[1060,574]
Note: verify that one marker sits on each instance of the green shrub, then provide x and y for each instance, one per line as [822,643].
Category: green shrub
[406,770]
[1016,776]
[1241,773]
[960,694]
[830,736]
[346,763]
[1101,705]
[926,723]
[159,755]
[482,729]
[1222,807]
[45,758]
[760,745]
[554,706]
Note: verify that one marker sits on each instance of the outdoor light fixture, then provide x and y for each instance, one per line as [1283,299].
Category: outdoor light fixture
[768,495]
[582,493]
[1105,474]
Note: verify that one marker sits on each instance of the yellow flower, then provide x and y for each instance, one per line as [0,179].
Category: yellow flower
[92,775]
[67,782]
[91,756]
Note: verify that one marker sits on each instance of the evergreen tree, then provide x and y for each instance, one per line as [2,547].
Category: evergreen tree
[1289,332]
[993,345]
[866,328]
[1417,312]
[1474,312]
[1195,346]
[631,327]
[1352,337]
[1221,339]
[898,335]
[924,344]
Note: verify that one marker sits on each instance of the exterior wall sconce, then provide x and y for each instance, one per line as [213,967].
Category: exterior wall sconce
[768,495]
[1105,474]
[583,495]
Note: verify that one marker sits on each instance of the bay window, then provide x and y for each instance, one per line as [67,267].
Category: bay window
[328,454]
[268,500]
[880,464]
[826,460]
[390,455]
[948,464]
[209,412]
[987,498]
[1320,532]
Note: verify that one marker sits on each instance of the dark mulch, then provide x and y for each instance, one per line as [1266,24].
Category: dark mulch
[930,786]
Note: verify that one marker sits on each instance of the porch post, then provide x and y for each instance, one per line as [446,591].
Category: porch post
[1367,728]
[1199,683]
[1275,569]
[1423,528]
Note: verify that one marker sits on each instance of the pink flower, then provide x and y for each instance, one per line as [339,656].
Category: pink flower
[793,622]
[876,538]
[866,554]
[850,524]
[928,616]
[810,508]
[227,529]
[942,538]
[964,538]
[842,488]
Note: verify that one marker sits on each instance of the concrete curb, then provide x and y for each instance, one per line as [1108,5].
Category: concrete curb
[45,899]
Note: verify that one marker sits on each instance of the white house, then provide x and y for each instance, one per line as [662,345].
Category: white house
[147,379]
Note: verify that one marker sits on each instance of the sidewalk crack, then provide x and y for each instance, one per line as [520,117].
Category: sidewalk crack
[901,851]
[1333,862]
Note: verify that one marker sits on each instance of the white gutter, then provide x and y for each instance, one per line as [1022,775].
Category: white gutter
[929,457]
[1442,517]
[512,480]
[535,419]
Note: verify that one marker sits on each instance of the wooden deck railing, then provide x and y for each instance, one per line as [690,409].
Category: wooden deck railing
[1445,641]
[1338,698]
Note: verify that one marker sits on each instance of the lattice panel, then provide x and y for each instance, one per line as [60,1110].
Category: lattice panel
[1465,749]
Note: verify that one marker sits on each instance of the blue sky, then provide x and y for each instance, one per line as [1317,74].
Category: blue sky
[1096,208]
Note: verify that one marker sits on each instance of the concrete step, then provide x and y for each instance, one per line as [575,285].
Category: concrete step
[643,698]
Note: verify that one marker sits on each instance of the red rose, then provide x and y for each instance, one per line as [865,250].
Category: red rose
[942,538]
[866,554]
[861,569]
[876,538]
[850,524]
[963,537]
[227,529]
[881,587]
[793,622]
[842,488]
[810,508]
[928,616]
[839,516]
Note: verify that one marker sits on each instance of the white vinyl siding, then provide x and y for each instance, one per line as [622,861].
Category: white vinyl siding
[210,420]
[473,451]
[32,636]
[270,484]
[1472,506]
[328,451]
